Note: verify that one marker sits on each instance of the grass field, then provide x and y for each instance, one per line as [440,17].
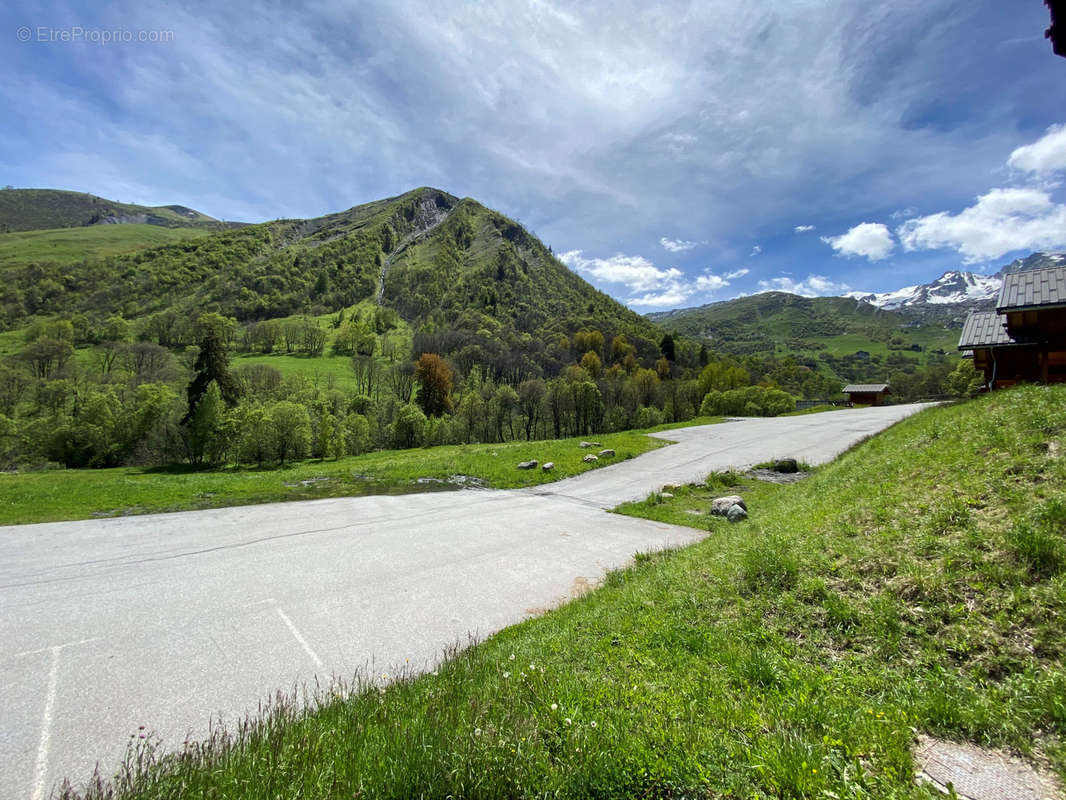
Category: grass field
[81,494]
[916,585]
[69,245]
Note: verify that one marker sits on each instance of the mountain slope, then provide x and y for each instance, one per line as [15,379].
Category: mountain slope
[956,292]
[839,337]
[778,321]
[433,257]
[952,287]
[43,209]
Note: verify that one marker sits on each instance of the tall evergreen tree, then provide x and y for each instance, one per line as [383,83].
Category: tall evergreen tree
[212,364]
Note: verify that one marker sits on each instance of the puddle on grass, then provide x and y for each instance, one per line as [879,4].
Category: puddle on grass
[771,476]
[368,485]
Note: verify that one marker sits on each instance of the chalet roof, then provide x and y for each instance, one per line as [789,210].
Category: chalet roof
[988,329]
[1037,288]
[984,329]
[865,388]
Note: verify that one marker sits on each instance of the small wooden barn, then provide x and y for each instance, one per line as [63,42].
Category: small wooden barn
[1024,339]
[867,394]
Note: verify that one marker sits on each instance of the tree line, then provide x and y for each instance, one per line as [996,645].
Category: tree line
[128,398]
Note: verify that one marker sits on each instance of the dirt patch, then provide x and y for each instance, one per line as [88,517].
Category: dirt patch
[580,587]
[771,476]
[978,774]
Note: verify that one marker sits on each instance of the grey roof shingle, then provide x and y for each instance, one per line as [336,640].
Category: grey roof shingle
[984,329]
[988,329]
[864,387]
[1033,288]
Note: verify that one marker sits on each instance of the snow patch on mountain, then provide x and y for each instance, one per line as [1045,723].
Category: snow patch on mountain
[951,287]
[957,287]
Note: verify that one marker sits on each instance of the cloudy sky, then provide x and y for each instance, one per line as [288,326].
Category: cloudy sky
[673,154]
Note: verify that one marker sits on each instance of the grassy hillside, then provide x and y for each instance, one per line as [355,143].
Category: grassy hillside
[70,245]
[838,336]
[916,585]
[787,323]
[42,209]
[431,256]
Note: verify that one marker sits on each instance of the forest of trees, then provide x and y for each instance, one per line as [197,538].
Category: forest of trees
[98,392]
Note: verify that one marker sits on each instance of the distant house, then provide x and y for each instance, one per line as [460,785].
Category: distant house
[1024,339]
[867,394]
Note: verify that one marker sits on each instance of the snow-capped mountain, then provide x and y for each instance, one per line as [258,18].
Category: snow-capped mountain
[950,288]
[956,287]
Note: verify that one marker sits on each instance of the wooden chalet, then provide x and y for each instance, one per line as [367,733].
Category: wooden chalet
[866,394]
[1024,339]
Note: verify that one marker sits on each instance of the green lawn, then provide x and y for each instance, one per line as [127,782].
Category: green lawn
[915,585]
[69,245]
[80,494]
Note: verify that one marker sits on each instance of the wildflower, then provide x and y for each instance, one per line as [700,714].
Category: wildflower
[477,731]
[512,657]
[555,706]
[532,667]
[593,723]
[569,721]
[507,674]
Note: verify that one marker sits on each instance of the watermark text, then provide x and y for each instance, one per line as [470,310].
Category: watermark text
[46,34]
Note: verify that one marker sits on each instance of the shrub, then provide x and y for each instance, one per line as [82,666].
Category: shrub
[649,417]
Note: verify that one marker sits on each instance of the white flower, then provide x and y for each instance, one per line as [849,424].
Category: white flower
[507,674]
[532,667]
[512,656]
[569,721]
[555,706]
[593,723]
[477,731]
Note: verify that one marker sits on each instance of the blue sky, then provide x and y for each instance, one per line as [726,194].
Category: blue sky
[673,154]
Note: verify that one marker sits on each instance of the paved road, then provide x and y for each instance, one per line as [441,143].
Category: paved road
[170,620]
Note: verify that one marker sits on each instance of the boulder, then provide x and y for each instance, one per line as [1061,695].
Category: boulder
[608,453]
[589,444]
[528,464]
[589,458]
[786,465]
[549,466]
[736,513]
[720,505]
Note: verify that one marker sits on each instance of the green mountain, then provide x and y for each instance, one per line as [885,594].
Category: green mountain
[43,209]
[838,336]
[439,261]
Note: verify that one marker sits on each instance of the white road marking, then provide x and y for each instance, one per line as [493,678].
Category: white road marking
[40,771]
[300,639]
[269,601]
[55,647]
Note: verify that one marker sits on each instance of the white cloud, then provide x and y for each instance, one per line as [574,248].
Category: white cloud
[904,213]
[1045,155]
[676,245]
[674,297]
[814,286]
[999,222]
[869,239]
[636,273]
[803,228]
[755,251]
[648,285]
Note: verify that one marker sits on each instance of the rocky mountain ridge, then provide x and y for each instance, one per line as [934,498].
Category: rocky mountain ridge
[956,289]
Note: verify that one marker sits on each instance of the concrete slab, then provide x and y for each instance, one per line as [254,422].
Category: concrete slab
[978,774]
